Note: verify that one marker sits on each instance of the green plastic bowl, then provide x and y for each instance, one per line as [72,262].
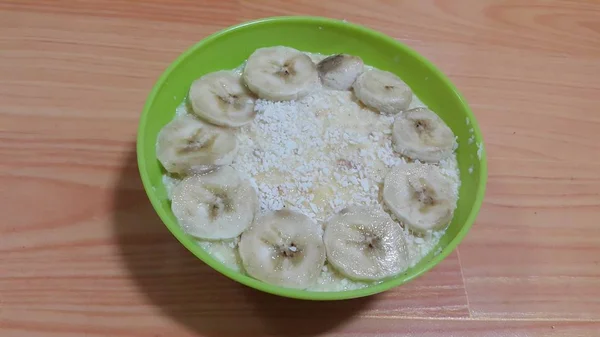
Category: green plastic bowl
[229,48]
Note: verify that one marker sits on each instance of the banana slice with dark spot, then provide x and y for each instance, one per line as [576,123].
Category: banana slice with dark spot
[215,206]
[339,71]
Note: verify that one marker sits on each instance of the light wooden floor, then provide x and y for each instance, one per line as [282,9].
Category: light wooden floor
[83,254]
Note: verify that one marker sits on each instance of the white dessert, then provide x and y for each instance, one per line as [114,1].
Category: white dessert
[320,153]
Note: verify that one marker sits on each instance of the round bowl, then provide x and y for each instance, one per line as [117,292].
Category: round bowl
[228,48]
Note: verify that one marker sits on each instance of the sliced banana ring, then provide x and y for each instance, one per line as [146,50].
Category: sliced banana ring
[382,91]
[284,248]
[215,206]
[188,145]
[339,71]
[222,99]
[421,134]
[280,73]
[420,195]
[365,244]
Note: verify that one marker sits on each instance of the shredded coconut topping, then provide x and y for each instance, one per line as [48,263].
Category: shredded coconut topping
[316,155]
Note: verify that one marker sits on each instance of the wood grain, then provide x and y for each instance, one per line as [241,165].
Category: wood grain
[83,254]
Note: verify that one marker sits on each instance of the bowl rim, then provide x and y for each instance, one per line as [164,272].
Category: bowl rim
[297,293]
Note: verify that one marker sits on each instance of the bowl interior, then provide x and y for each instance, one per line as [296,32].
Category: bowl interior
[229,48]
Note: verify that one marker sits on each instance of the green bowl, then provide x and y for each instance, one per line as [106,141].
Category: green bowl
[229,48]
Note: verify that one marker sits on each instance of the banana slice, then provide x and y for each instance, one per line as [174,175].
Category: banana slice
[218,205]
[421,134]
[365,244]
[339,71]
[188,145]
[222,99]
[280,73]
[382,91]
[283,248]
[420,196]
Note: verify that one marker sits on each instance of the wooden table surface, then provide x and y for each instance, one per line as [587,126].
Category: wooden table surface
[82,253]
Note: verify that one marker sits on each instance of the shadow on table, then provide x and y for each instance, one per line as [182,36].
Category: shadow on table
[193,294]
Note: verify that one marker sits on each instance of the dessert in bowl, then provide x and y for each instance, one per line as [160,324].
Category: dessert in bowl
[311,158]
